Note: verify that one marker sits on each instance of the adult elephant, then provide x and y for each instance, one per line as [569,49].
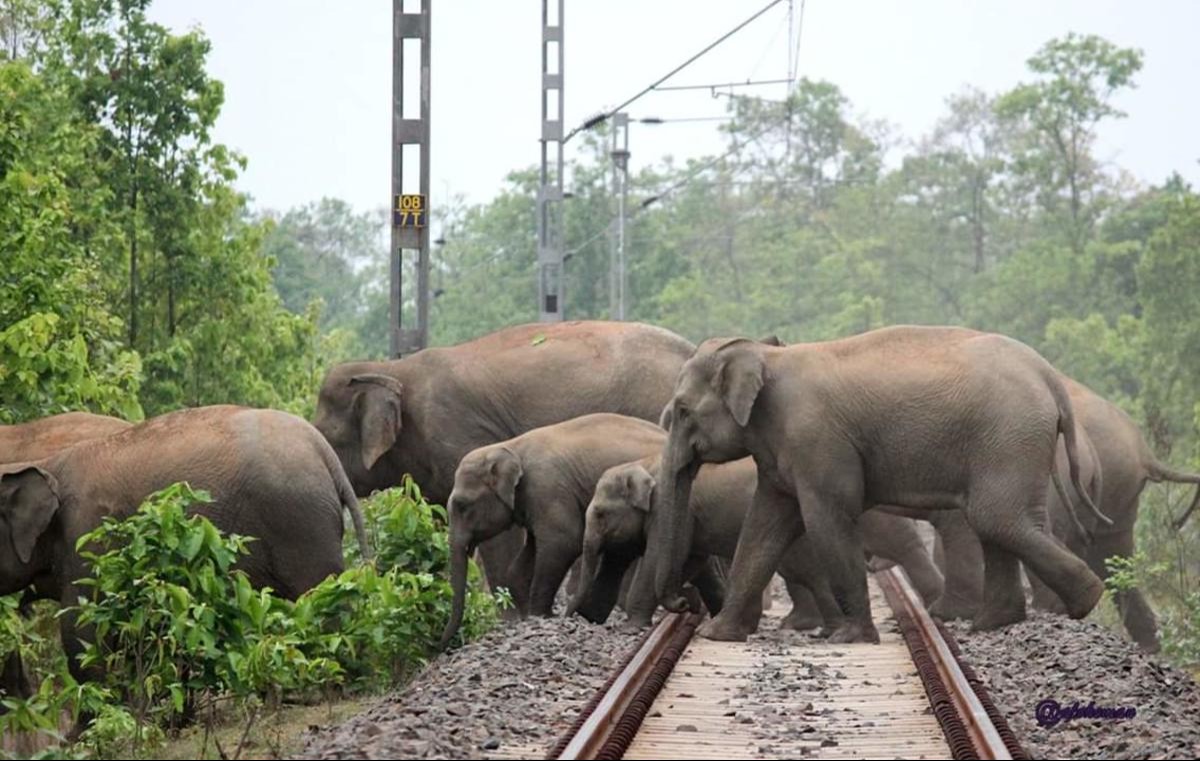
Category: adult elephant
[541,480]
[919,417]
[35,440]
[1124,464]
[621,511]
[422,414]
[270,474]
[25,442]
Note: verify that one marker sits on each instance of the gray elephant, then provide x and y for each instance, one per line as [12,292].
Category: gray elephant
[26,442]
[542,481]
[422,414]
[620,512]
[1124,464]
[270,474]
[919,417]
[35,440]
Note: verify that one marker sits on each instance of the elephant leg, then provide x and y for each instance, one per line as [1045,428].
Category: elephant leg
[1004,602]
[962,592]
[1043,596]
[771,523]
[640,600]
[573,577]
[498,556]
[1136,613]
[804,614]
[709,584]
[898,540]
[520,576]
[835,534]
[813,602]
[606,587]
[995,518]
[550,566]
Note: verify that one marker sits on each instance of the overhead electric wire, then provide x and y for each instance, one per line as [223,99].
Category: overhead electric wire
[599,118]
[720,85]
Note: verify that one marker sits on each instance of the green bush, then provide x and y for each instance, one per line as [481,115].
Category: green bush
[170,618]
[173,628]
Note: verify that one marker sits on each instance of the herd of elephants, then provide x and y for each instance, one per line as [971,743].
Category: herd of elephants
[648,463]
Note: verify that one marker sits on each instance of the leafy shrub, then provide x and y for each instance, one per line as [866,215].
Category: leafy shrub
[171,619]
[174,628]
[407,532]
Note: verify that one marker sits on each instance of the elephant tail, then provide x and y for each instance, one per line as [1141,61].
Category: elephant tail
[1066,427]
[348,499]
[1160,472]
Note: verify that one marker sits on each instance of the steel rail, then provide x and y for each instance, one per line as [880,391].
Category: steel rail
[976,725]
[972,725]
[615,718]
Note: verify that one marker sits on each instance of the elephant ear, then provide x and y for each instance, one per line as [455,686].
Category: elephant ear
[739,380]
[639,486]
[503,474]
[378,402]
[771,340]
[28,502]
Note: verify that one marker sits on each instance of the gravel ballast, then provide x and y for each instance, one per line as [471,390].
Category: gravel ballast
[513,691]
[1053,658]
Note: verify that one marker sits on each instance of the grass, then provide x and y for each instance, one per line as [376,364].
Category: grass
[276,735]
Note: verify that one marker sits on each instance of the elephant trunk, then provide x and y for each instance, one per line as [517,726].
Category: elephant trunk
[587,573]
[460,550]
[670,521]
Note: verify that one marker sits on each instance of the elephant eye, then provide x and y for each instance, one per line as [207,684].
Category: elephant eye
[683,412]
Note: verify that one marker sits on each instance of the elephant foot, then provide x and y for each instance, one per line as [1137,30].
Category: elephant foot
[1150,647]
[825,632]
[994,618]
[949,609]
[855,631]
[800,621]
[722,629]
[1080,605]
[1051,603]
[635,624]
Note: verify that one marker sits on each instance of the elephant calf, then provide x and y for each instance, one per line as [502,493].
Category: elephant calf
[620,511]
[541,480]
[271,476]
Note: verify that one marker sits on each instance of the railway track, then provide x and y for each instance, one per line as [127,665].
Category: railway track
[908,697]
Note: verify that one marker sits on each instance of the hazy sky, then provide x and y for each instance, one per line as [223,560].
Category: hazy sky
[308,82]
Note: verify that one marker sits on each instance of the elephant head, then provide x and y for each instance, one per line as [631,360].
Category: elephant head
[481,506]
[708,420]
[616,518]
[28,503]
[359,414]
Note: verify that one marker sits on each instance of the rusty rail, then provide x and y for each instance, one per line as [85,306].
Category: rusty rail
[612,723]
[965,719]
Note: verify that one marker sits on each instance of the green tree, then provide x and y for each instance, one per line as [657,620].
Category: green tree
[1078,78]
[59,342]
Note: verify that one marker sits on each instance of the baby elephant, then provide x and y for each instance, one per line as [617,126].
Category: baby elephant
[618,521]
[271,475]
[541,480]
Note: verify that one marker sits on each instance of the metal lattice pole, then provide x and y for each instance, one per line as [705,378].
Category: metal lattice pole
[551,278]
[410,211]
